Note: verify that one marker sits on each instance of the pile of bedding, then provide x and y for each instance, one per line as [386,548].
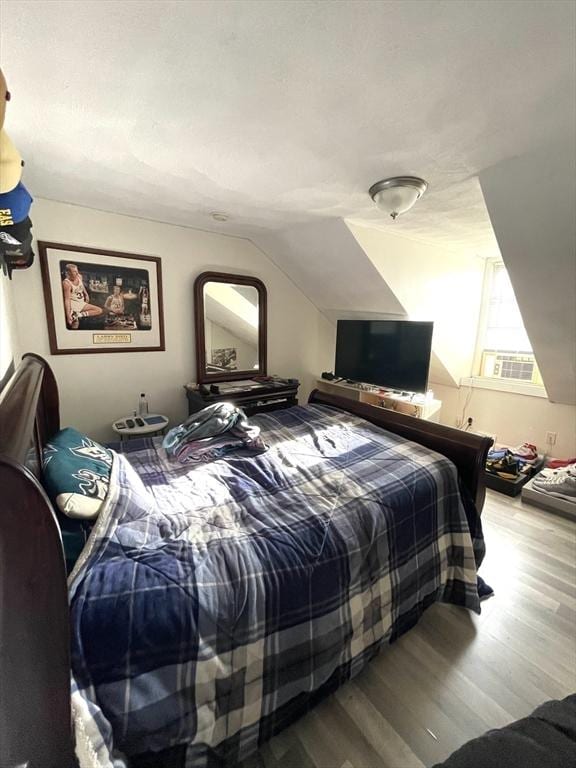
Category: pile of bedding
[212,433]
[215,603]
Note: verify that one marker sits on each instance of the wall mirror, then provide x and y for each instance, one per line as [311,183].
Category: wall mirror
[230,315]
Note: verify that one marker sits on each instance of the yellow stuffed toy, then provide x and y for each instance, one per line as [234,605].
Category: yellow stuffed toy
[4,97]
[10,160]
[15,200]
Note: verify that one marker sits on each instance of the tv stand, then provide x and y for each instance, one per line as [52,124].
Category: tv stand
[416,405]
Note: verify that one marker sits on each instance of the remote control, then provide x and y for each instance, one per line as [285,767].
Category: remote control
[139,422]
[130,423]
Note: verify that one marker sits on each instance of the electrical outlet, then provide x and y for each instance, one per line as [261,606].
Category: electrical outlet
[551,438]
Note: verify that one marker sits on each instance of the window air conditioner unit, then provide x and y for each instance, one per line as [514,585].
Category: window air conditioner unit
[512,366]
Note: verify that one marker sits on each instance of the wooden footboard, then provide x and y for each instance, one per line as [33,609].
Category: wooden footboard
[467,451]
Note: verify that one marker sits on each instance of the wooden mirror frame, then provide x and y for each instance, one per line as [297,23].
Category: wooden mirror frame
[202,377]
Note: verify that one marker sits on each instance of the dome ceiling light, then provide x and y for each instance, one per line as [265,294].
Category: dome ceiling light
[398,194]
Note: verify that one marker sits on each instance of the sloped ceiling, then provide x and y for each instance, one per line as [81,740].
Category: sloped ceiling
[532,204]
[283,113]
[432,283]
[328,263]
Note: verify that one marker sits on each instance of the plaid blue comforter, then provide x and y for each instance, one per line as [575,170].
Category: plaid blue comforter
[215,604]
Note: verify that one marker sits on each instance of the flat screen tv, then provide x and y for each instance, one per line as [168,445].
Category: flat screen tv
[388,353]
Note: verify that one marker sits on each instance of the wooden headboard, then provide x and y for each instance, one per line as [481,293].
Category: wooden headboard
[35,716]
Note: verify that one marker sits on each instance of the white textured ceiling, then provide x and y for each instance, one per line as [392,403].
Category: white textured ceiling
[284,112]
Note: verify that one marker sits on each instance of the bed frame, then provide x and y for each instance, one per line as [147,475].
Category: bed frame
[35,710]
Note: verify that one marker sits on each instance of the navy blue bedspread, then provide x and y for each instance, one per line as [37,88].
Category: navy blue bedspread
[216,603]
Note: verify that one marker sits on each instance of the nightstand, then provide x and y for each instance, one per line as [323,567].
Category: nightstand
[250,395]
[140,426]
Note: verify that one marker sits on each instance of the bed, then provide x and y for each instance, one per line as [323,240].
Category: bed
[242,591]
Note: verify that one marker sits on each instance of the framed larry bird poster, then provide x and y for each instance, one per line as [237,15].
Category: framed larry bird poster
[101,301]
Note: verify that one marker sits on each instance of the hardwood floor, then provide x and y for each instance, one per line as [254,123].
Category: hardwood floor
[456,675]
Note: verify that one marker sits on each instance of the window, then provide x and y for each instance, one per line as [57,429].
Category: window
[504,348]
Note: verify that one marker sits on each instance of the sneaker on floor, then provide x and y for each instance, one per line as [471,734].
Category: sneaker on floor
[498,453]
[506,467]
[569,469]
[561,485]
[558,463]
[526,451]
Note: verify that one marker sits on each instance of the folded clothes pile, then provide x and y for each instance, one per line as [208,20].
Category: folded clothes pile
[510,463]
[212,433]
[560,482]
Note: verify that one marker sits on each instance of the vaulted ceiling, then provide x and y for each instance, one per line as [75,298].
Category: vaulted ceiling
[352,272]
[284,113]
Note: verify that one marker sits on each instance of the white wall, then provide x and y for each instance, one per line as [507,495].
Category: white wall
[431,283]
[8,326]
[95,389]
[513,418]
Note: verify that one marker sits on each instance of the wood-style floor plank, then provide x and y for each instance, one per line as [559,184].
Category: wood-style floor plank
[455,675]
[376,729]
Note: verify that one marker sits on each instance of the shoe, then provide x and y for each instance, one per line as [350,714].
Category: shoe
[569,469]
[507,474]
[506,467]
[526,451]
[497,453]
[558,463]
[561,485]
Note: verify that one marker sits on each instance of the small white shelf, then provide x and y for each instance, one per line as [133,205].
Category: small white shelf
[140,431]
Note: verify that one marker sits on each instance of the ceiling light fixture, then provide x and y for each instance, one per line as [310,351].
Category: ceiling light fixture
[398,194]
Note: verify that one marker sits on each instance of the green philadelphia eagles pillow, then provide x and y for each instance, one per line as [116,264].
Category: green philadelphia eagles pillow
[76,473]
